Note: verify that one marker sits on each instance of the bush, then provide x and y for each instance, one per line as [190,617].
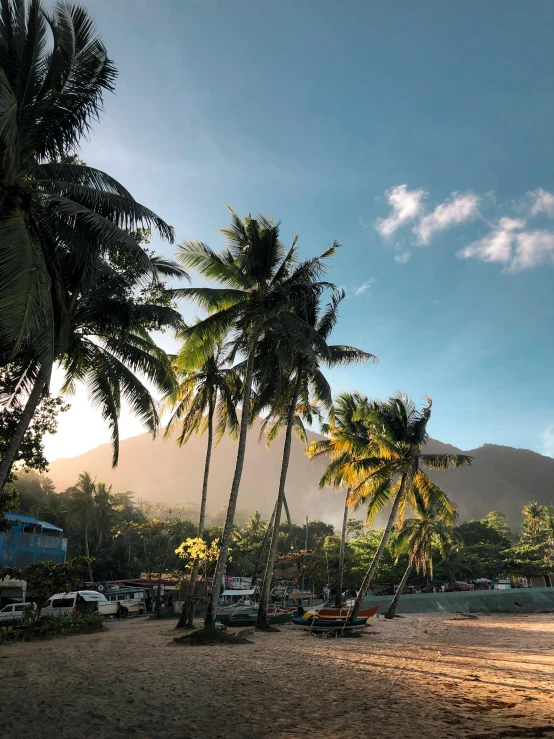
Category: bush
[47,626]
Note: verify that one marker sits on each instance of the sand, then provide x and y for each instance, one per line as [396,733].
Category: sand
[417,676]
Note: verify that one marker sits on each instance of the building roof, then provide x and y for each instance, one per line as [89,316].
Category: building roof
[20,517]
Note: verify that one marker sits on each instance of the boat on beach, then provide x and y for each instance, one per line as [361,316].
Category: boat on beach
[331,618]
[333,612]
[240,608]
[328,624]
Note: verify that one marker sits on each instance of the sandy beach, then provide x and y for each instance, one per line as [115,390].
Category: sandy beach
[417,676]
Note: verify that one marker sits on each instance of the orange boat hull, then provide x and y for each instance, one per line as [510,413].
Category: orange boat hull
[345,612]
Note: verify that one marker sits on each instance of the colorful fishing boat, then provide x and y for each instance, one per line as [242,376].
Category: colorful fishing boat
[329,618]
[341,613]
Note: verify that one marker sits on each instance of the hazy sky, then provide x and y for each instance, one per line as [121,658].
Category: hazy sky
[419,135]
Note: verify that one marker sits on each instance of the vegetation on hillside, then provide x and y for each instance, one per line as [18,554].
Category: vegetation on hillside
[120,524]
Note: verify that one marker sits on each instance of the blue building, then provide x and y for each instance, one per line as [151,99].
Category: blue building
[31,540]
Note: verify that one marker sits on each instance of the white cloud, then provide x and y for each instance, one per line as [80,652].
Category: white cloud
[512,241]
[544,202]
[406,206]
[510,244]
[364,287]
[496,246]
[532,248]
[455,210]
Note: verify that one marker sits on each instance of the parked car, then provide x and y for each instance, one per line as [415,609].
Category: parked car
[83,601]
[12,612]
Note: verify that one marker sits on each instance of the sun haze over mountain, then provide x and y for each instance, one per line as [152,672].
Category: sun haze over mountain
[501,478]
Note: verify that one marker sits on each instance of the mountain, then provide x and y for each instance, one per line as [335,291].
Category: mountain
[501,478]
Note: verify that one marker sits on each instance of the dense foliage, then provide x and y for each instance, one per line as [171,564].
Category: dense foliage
[129,538]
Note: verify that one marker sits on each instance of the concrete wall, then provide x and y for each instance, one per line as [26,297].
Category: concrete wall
[520,600]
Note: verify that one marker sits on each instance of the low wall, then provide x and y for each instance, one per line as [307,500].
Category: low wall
[518,600]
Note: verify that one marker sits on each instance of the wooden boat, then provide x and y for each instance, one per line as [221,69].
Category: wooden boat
[332,619]
[341,613]
[330,626]
[249,618]
[244,611]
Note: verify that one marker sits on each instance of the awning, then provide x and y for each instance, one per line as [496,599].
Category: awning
[92,596]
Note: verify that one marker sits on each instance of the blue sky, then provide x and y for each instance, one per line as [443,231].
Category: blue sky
[419,135]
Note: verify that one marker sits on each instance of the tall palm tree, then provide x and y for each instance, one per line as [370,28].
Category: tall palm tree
[303,389]
[257,279]
[416,537]
[343,426]
[202,391]
[54,71]
[391,471]
[81,508]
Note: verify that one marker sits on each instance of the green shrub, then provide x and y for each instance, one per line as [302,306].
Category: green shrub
[48,626]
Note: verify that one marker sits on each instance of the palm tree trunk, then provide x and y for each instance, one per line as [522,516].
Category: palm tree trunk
[262,622]
[340,578]
[262,547]
[380,549]
[394,604]
[289,521]
[42,380]
[211,610]
[187,615]
[87,552]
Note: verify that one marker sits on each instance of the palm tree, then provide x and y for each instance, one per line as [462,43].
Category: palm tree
[104,512]
[343,426]
[54,71]
[416,537]
[201,392]
[533,522]
[101,339]
[81,509]
[390,472]
[256,526]
[298,396]
[257,279]
[261,549]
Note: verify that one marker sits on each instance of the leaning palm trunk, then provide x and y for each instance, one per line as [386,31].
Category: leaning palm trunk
[261,550]
[340,578]
[380,549]
[42,380]
[187,614]
[211,610]
[289,521]
[262,622]
[394,604]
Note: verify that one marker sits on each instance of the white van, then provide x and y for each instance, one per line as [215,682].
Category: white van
[80,600]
